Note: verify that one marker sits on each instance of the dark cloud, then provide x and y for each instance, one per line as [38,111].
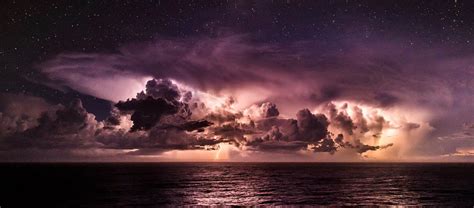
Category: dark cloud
[113,119]
[58,127]
[421,79]
[197,125]
[223,116]
[161,98]
[277,146]
[311,127]
[68,120]
[159,139]
[358,146]
[288,127]
[361,148]
[340,119]
[20,112]
[308,131]
[162,88]
[383,73]
[163,113]
[72,127]
[146,112]
[269,110]
[234,131]
[324,145]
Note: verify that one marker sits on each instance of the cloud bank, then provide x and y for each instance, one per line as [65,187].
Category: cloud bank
[379,100]
[167,117]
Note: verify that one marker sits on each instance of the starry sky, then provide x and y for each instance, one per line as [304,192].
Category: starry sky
[237,80]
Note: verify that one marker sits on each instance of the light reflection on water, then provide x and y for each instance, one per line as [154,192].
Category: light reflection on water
[325,184]
[250,184]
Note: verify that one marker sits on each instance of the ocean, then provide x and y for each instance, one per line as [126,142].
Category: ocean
[183,184]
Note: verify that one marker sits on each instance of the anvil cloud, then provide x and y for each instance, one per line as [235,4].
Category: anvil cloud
[349,100]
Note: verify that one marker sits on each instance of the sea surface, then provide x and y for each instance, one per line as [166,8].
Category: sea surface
[180,184]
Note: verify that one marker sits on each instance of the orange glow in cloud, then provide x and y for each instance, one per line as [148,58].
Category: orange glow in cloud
[396,131]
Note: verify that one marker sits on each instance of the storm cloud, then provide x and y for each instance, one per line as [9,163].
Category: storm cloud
[339,80]
[159,126]
[197,93]
[235,64]
[56,127]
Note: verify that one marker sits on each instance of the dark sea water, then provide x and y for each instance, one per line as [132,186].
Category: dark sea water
[178,184]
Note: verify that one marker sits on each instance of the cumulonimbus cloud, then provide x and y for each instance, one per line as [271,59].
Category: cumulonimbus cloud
[208,91]
[164,122]
[382,74]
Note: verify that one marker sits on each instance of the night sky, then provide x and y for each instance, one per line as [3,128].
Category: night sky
[237,80]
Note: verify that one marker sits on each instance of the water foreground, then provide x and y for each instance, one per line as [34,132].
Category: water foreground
[159,184]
